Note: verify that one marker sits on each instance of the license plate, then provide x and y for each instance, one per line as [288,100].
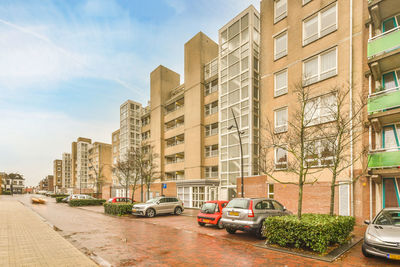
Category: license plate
[133,210]
[206,221]
[234,213]
[394,257]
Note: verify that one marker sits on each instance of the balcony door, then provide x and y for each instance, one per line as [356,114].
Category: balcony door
[391,195]
[390,137]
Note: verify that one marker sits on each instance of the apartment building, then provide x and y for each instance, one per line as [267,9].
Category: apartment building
[383,57]
[66,174]
[130,133]
[80,164]
[99,166]
[57,175]
[49,181]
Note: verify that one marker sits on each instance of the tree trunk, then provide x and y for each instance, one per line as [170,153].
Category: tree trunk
[332,202]
[300,201]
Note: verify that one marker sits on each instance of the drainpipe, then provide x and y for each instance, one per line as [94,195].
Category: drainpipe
[370,147]
[351,108]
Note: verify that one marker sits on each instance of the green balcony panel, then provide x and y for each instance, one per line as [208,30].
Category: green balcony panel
[384,159]
[384,101]
[384,44]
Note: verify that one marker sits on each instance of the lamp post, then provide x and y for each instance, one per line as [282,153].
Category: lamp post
[241,149]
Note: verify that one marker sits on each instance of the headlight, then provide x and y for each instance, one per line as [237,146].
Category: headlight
[373,238]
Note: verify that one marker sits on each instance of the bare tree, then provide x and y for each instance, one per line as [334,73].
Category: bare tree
[98,178]
[291,144]
[126,171]
[345,129]
[149,168]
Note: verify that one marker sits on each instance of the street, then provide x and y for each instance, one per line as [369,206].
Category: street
[169,240]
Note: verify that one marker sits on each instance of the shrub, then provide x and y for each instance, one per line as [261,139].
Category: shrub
[6,192]
[86,202]
[58,195]
[59,199]
[313,231]
[117,208]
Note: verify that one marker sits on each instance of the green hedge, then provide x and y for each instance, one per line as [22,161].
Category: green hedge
[6,192]
[313,231]
[86,202]
[59,199]
[117,208]
[58,195]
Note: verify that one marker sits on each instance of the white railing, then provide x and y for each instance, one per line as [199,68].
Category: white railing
[383,34]
[385,91]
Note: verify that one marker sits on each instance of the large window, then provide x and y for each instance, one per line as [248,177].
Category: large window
[280,9]
[391,80]
[281,119]
[280,83]
[280,43]
[211,172]
[319,153]
[211,108]
[211,87]
[211,151]
[320,67]
[391,23]
[320,24]
[280,158]
[320,110]
[211,129]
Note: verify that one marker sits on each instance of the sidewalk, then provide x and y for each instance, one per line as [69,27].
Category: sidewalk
[26,240]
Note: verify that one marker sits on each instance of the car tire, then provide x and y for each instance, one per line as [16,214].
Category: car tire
[231,230]
[178,211]
[201,223]
[365,253]
[219,224]
[259,234]
[150,213]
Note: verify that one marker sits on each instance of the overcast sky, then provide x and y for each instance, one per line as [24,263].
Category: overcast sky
[67,65]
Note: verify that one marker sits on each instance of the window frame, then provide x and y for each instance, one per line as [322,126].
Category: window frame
[208,131]
[319,119]
[318,155]
[283,90]
[281,128]
[276,158]
[310,81]
[279,17]
[209,152]
[282,53]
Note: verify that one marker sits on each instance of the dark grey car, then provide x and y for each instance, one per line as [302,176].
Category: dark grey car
[248,214]
[382,237]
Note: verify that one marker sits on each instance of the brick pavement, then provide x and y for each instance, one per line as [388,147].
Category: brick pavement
[26,240]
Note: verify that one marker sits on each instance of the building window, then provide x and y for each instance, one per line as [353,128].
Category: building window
[211,69]
[281,120]
[319,153]
[280,42]
[281,81]
[306,2]
[211,172]
[320,67]
[211,129]
[320,24]
[211,108]
[280,158]
[270,191]
[146,135]
[211,151]
[280,10]
[320,110]
[391,80]
[391,23]
[211,87]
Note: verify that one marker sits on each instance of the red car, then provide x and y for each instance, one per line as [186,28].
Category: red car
[120,200]
[211,213]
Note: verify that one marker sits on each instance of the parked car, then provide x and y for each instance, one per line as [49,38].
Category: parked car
[248,214]
[382,237]
[120,200]
[158,205]
[77,196]
[211,213]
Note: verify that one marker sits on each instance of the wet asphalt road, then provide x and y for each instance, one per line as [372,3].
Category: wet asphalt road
[170,241]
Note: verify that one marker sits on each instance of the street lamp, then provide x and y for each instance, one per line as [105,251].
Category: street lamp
[241,149]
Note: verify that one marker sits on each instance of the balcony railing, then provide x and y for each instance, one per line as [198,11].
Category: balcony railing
[384,43]
[383,100]
[384,158]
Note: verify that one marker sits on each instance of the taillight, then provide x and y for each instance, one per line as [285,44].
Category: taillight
[250,211]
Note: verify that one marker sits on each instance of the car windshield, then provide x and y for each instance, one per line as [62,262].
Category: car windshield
[238,203]
[388,217]
[153,200]
[208,208]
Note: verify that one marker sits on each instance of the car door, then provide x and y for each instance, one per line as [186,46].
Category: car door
[279,208]
[162,206]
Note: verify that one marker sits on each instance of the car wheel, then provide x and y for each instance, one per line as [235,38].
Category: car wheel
[259,233]
[150,213]
[178,211]
[201,223]
[365,253]
[219,224]
[231,231]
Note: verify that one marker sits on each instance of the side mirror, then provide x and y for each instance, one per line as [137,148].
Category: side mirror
[158,202]
[284,208]
[367,222]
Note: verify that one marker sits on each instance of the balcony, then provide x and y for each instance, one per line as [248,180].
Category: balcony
[384,100]
[384,159]
[384,43]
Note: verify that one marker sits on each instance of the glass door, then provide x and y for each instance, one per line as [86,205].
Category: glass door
[390,137]
[391,195]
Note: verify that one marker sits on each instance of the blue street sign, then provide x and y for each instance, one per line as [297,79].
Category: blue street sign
[164,186]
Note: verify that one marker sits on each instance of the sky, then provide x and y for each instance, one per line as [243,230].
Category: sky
[67,65]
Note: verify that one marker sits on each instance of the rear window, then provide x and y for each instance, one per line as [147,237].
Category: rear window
[238,204]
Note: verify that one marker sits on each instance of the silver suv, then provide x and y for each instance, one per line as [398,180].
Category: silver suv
[158,205]
[248,214]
